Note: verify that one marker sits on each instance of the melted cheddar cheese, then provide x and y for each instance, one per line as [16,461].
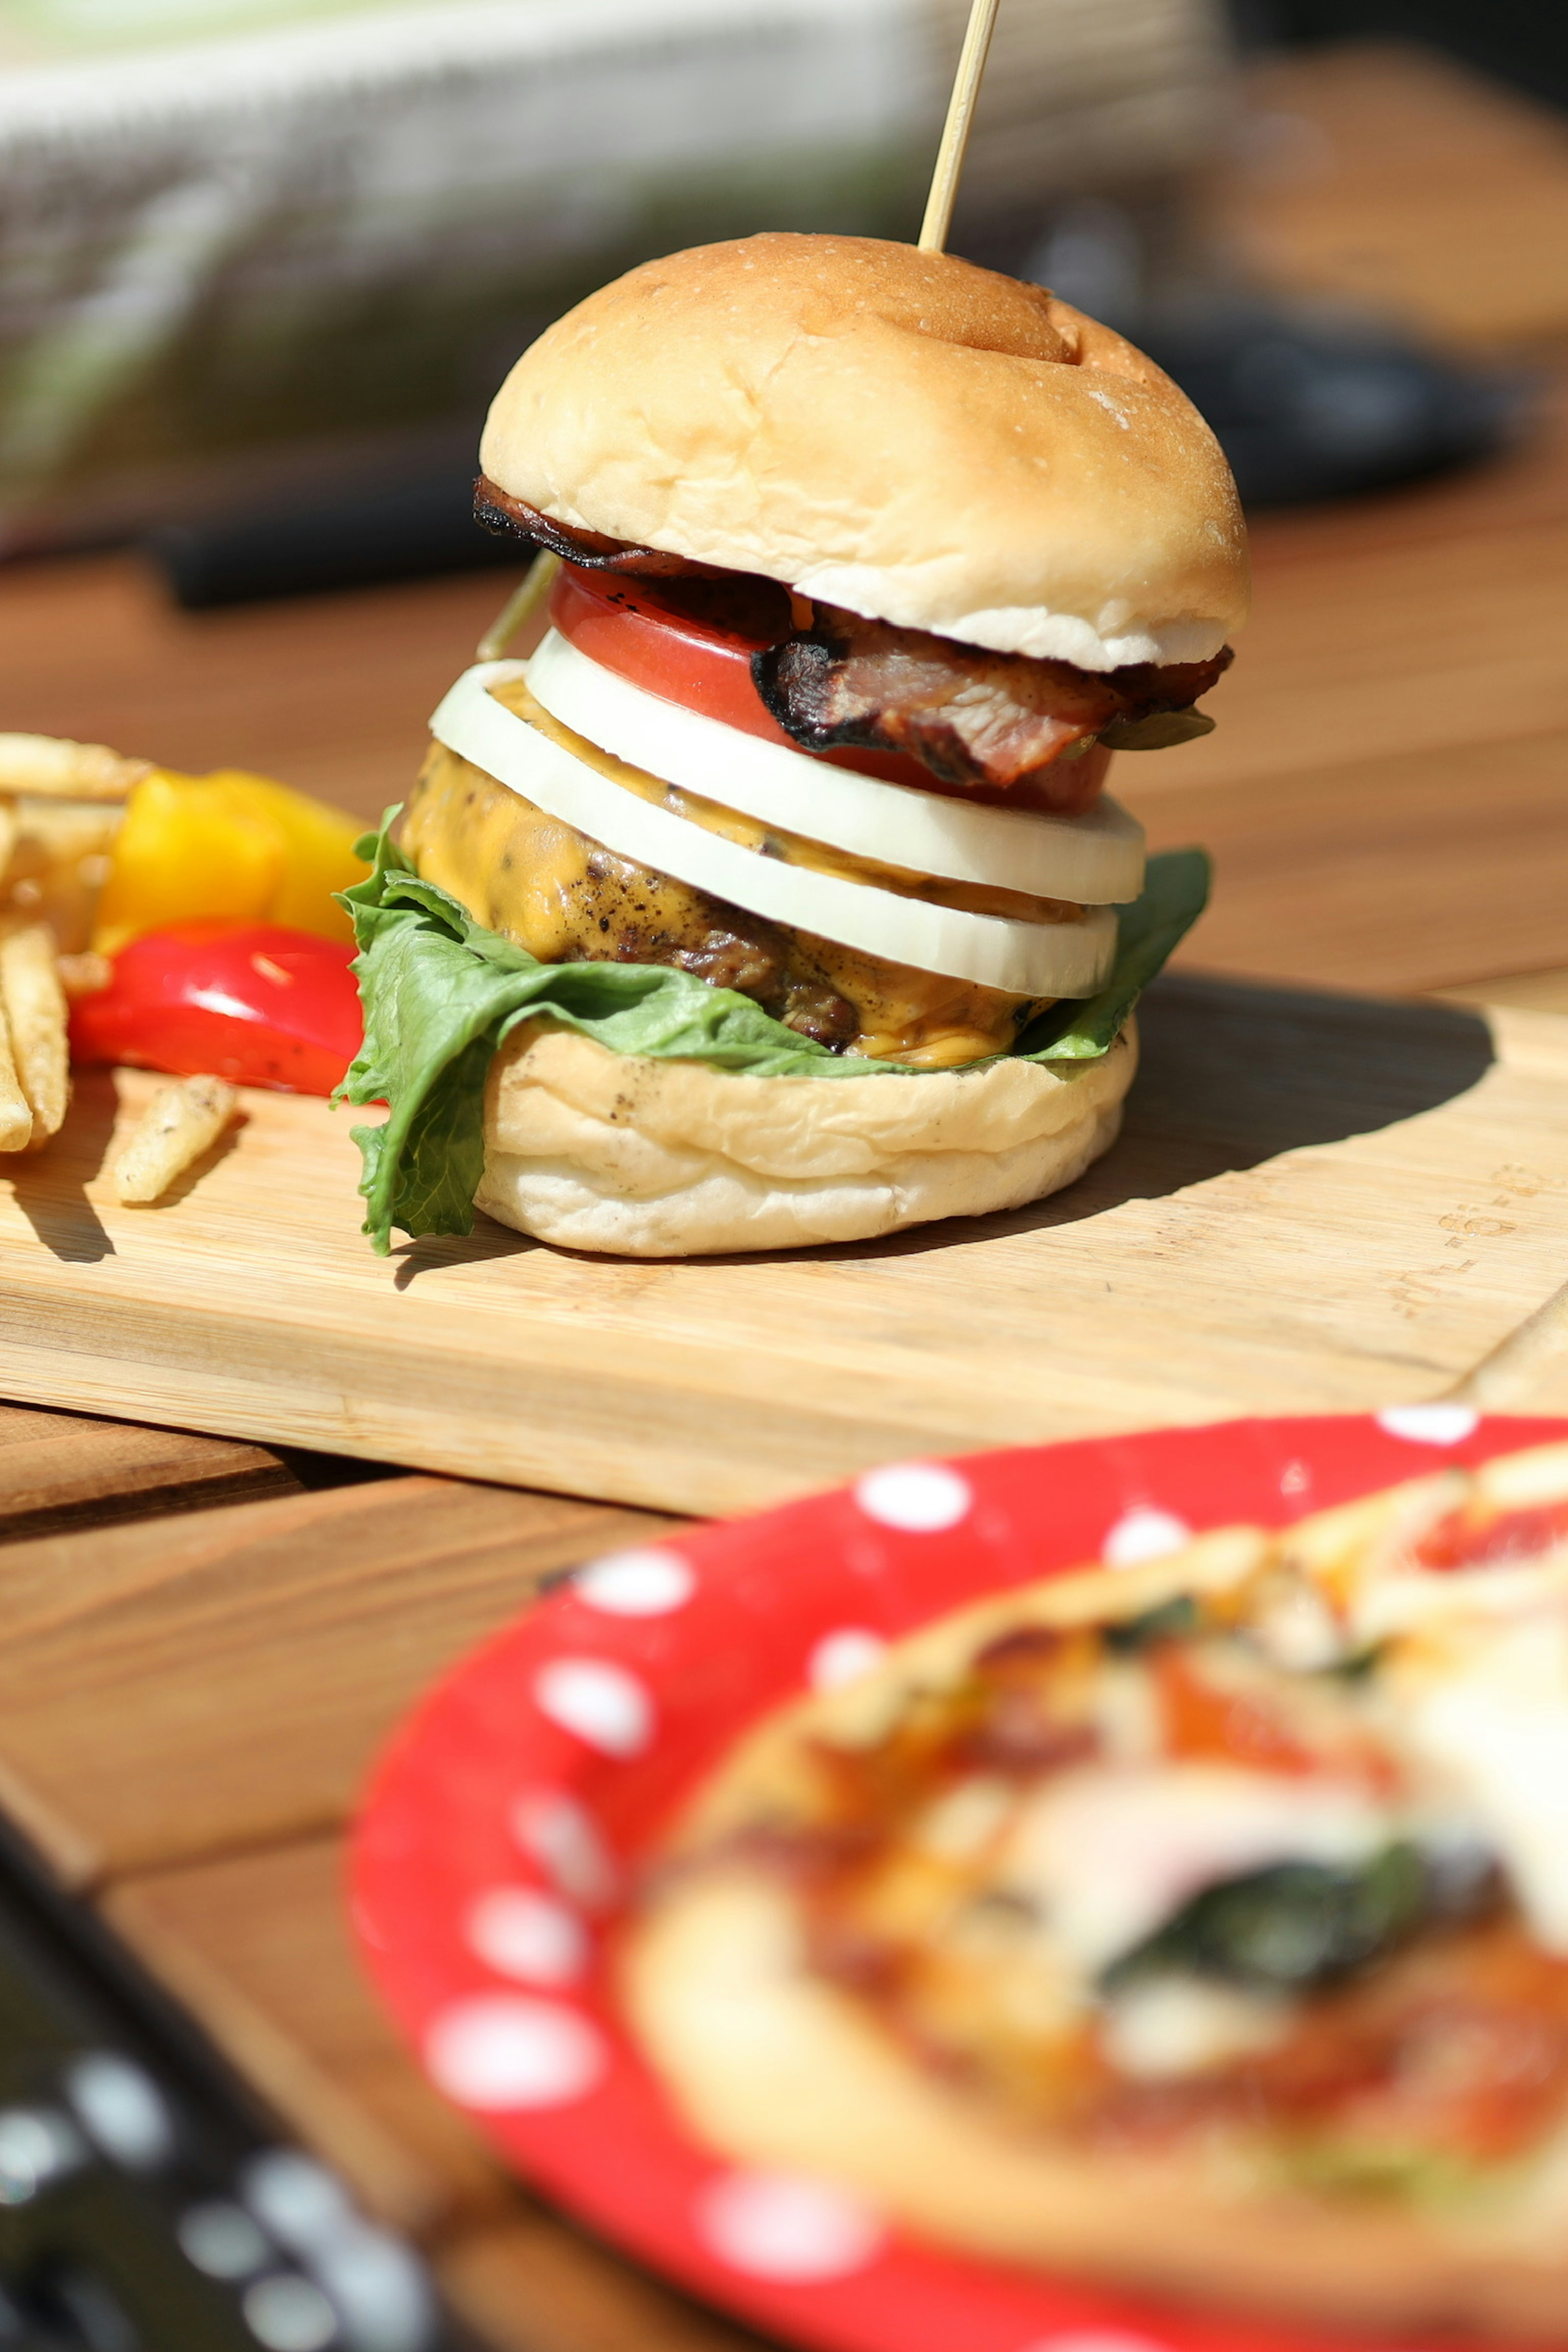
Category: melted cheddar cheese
[563,898]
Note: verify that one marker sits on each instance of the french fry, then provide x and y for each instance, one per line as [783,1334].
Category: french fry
[84,974]
[179,1124]
[35,1017]
[9,829]
[15,1112]
[58,865]
[52,768]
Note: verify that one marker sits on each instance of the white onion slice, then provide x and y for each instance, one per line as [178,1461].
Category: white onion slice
[1094,860]
[1068,959]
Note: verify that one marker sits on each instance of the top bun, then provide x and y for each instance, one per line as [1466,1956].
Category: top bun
[898,432]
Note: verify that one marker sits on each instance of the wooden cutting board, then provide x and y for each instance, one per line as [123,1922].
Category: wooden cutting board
[1320,1202]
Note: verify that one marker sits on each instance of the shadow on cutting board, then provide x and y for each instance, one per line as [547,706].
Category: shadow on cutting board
[1232,1074]
[50,1186]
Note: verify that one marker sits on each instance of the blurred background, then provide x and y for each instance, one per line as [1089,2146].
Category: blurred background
[262,265]
[263,262]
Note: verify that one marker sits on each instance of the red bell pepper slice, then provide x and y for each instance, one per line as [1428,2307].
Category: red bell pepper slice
[253,1003]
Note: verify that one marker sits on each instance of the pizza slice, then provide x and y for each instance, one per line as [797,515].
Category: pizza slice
[1201,1925]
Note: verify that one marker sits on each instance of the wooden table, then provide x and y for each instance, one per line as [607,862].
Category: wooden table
[206,1639]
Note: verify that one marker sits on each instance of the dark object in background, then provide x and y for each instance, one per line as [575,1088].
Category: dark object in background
[146,2205]
[349,538]
[1310,407]
[1522,41]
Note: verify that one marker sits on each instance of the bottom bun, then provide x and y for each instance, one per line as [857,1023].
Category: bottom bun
[596,1150]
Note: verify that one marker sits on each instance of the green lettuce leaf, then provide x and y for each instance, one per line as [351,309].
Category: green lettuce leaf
[441,993]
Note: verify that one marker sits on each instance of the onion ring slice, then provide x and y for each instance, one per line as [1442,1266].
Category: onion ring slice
[1094,860]
[1025,958]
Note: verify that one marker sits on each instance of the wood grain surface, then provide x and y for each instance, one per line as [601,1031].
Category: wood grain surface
[250,1658]
[256,1946]
[534,2284]
[1386,174]
[1321,1204]
[187,1705]
[57,1470]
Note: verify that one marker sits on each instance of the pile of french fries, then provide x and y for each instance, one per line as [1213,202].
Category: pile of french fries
[60,803]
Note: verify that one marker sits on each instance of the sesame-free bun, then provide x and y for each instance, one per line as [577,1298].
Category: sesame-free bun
[901,433]
[639,1157]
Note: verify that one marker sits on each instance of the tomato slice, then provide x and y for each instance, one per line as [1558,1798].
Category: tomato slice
[254,1002]
[692,641]
[695,649]
[1505,1541]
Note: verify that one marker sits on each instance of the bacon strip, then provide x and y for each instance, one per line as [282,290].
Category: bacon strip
[498,511]
[975,720]
[973,717]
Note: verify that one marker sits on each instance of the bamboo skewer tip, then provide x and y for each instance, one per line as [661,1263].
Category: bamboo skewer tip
[956,132]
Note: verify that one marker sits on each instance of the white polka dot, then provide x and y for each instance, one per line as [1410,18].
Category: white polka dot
[775,2225]
[1143,1534]
[497,2051]
[637,1583]
[601,1704]
[1429,1424]
[920,1498]
[562,1837]
[527,1936]
[1098,2340]
[289,2314]
[843,1657]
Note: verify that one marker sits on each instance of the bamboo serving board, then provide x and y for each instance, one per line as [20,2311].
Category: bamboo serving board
[1320,1202]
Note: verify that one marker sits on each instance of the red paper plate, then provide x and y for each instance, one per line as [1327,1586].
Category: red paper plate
[511,1810]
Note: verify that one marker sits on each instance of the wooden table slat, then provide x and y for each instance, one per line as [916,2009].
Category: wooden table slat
[534,2284]
[60,1470]
[257,1947]
[250,1659]
[1280,1211]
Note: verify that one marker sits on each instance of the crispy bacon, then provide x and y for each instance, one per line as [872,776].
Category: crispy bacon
[973,717]
[498,510]
[975,720]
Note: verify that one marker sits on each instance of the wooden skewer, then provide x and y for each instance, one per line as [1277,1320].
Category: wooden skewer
[521,605]
[955,130]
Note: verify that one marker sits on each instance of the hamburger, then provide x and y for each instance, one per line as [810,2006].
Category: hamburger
[777,898]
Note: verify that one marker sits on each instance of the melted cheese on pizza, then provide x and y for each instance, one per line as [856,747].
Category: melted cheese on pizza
[1280,1862]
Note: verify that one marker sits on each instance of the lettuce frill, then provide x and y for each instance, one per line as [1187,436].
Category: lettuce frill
[441,995]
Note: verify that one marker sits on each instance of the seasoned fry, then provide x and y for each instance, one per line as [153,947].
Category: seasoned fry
[15,1113]
[9,830]
[51,767]
[179,1124]
[36,1014]
[58,865]
[85,974]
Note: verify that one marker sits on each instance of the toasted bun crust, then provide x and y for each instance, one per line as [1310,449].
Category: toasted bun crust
[774,2066]
[898,432]
[597,1150]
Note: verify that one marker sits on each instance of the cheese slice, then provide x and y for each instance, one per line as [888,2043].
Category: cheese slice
[1486,1705]
[1094,859]
[1040,959]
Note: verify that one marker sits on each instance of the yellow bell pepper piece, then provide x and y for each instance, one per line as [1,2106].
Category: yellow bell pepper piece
[227,846]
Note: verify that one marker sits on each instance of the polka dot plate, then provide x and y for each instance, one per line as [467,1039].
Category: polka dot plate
[507,1820]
